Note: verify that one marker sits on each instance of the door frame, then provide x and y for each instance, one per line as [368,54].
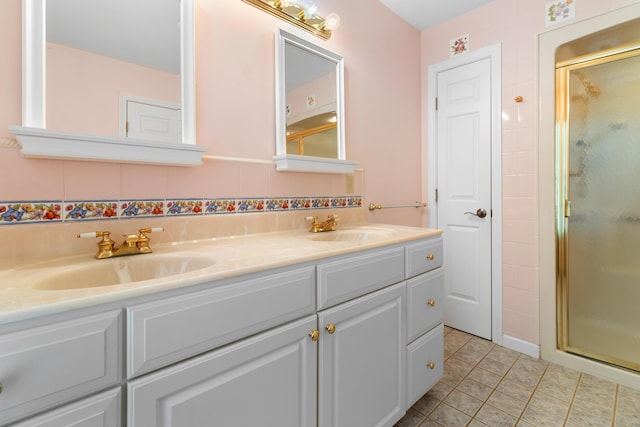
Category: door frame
[429,146]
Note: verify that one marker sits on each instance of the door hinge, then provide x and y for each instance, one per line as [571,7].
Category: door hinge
[567,208]
[436,195]
[436,103]
[126,128]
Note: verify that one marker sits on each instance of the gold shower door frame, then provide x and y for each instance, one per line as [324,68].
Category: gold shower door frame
[562,200]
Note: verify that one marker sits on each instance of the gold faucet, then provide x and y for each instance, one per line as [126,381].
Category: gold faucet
[319,226]
[133,244]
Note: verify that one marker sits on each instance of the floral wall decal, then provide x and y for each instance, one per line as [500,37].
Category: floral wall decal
[558,11]
[459,45]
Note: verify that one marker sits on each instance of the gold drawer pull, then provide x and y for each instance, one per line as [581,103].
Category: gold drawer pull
[431,303]
[431,365]
[330,327]
[314,335]
[431,257]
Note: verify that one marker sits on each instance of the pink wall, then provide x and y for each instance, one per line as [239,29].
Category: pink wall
[235,115]
[515,25]
[84,89]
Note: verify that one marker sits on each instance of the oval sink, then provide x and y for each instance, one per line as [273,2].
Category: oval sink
[118,271]
[354,234]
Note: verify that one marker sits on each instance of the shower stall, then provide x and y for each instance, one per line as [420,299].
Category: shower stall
[598,205]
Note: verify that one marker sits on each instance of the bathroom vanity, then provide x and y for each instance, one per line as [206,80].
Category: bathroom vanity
[332,329]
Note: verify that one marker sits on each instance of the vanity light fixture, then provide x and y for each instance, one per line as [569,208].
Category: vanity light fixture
[303,16]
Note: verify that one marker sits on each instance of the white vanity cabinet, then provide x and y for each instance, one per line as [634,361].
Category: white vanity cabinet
[425,317]
[343,341]
[51,364]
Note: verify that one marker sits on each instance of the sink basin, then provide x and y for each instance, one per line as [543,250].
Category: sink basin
[122,270]
[354,234]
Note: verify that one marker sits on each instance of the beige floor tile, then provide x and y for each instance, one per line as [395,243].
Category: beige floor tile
[485,377]
[594,416]
[463,402]
[475,389]
[504,355]
[494,366]
[542,417]
[449,416]
[495,418]
[516,389]
[457,368]
[507,403]
[412,418]
[426,404]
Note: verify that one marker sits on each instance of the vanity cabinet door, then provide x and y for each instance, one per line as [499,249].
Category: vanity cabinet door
[362,361]
[47,366]
[266,380]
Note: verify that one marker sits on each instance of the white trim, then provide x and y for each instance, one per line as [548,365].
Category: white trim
[295,163]
[41,143]
[429,147]
[521,346]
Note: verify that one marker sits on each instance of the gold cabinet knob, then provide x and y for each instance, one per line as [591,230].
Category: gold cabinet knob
[431,303]
[431,365]
[431,257]
[330,327]
[314,335]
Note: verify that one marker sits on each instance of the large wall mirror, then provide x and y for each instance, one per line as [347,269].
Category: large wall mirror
[109,81]
[310,134]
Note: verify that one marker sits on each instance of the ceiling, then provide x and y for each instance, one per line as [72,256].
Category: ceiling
[424,14]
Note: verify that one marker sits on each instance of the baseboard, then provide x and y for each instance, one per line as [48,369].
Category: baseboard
[521,346]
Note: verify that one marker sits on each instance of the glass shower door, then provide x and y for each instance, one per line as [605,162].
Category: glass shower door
[598,201]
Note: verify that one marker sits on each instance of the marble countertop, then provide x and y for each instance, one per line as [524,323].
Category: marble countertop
[221,258]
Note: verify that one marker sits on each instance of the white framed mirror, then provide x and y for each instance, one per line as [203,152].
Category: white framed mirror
[84,83]
[310,133]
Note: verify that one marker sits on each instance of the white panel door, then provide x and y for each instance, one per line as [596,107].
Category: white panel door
[464,194]
[153,122]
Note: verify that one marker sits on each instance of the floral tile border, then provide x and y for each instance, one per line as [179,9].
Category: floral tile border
[30,212]
[23,212]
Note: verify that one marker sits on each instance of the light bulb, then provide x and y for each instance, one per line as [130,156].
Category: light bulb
[332,21]
[288,3]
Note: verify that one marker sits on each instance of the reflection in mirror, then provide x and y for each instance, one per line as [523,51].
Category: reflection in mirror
[116,62]
[309,107]
[85,114]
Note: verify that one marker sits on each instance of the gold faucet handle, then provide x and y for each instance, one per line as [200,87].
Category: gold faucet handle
[143,240]
[105,246]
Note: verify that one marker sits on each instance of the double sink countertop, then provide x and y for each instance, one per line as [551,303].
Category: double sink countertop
[35,287]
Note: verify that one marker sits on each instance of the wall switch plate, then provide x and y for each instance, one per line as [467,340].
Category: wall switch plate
[350,188]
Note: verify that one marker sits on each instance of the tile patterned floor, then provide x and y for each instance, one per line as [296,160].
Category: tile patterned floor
[485,385]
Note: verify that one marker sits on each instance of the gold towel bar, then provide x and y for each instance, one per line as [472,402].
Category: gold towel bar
[373,206]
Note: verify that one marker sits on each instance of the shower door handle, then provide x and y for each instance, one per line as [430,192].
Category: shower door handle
[480,213]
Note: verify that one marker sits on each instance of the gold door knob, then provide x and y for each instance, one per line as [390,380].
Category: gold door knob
[330,327]
[314,335]
[431,365]
[431,257]
[431,303]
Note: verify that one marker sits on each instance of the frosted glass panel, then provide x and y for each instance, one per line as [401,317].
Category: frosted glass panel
[603,244]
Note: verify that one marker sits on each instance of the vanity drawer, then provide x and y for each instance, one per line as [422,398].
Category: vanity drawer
[425,303]
[424,256]
[425,364]
[166,331]
[49,365]
[104,410]
[353,276]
